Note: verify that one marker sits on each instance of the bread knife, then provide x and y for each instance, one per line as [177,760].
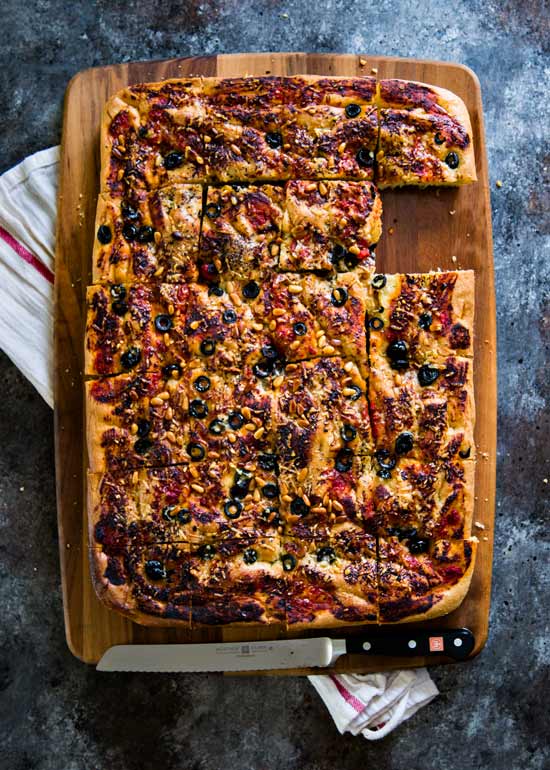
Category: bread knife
[284,654]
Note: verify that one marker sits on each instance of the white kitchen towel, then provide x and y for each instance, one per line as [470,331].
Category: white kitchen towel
[373,704]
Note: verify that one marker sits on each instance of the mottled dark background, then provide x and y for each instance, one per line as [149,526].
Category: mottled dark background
[58,714]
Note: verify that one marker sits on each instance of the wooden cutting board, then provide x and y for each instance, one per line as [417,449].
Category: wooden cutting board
[423,230]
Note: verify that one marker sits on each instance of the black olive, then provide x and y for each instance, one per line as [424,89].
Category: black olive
[271,516]
[404,443]
[208,347]
[202,383]
[173,160]
[326,553]
[215,291]
[171,370]
[163,323]
[235,420]
[418,546]
[384,473]
[357,392]
[288,561]
[338,251]
[465,453]
[427,375]
[250,556]
[344,460]
[348,432]
[298,507]
[168,512]
[376,324]
[251,290]
[267,462]
[145,234]
[350,260]
[409,532]
[195,451]
[339,296]
[142,445]
[263,368]
[397,350]
[104,234]
[155,570]
[119,308]
[400,364]
[213,210]
[273,139]
[216,427]
[229,316]
[352,110]
[270,352]
[130,231]
[300,329]
[365,157]
[130,358]
[379,281]
[425,320]
[271,491]
[198,408]
[128,211]
[439,138]
[232,509]
[384,459]
[452,160]
[206,551]
[118,291]
[241,484]
[184,516]
[143,428]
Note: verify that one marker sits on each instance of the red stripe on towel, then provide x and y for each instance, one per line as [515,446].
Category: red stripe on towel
[25,254]
[354,702]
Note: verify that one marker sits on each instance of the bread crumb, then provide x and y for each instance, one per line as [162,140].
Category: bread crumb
[452,212]
[454,259]
[284,16]
[21,489]
[362,62]
[545,481]
[390,230]
[499,183]
[486,539]
[374,71]
[479,525]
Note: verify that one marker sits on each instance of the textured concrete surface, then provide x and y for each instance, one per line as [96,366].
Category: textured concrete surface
[57,714]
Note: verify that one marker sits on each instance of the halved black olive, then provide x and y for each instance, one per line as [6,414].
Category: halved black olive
[344,460]
[173,160]
[348,432]
[195,451]
[270,352]
[384,459]
[273,139]
[298,507]
[376,323]
[213,210]
[419,546]
[184,516]
[263,368]
[142,445]
[229,316]
[267,462]
[130,358]
[128,211]
[104,234]
[365,157]
[398,349]
[216,427]
[379,281]
[250,556]
[145,234]
[130,231]
[119,308]
[118,291]
[288,561]
[326,553]
[163,322]
[215,291]
[202,383]
[271,491]
[465,453]
[208,347]
[251,290]
[155,570]
[232,509]
[357,392]
[206,551]
[235,420]
[168,513]
[198,408]
[404,443]
[352,110]
[300,329]
[143,428]
[339,296]
[425,320]
[439,138]
[427,375]
[452,160]
[350,260]
[171,370]
[241,484]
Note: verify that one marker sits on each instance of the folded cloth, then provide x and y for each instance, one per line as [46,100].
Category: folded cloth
[373,704]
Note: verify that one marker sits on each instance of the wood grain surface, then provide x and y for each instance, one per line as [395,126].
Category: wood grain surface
[423,230]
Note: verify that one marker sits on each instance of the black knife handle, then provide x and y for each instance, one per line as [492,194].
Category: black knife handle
[457,644]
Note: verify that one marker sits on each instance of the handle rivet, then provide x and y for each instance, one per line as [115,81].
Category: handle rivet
[411,644]
[367,646]
[457,642]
